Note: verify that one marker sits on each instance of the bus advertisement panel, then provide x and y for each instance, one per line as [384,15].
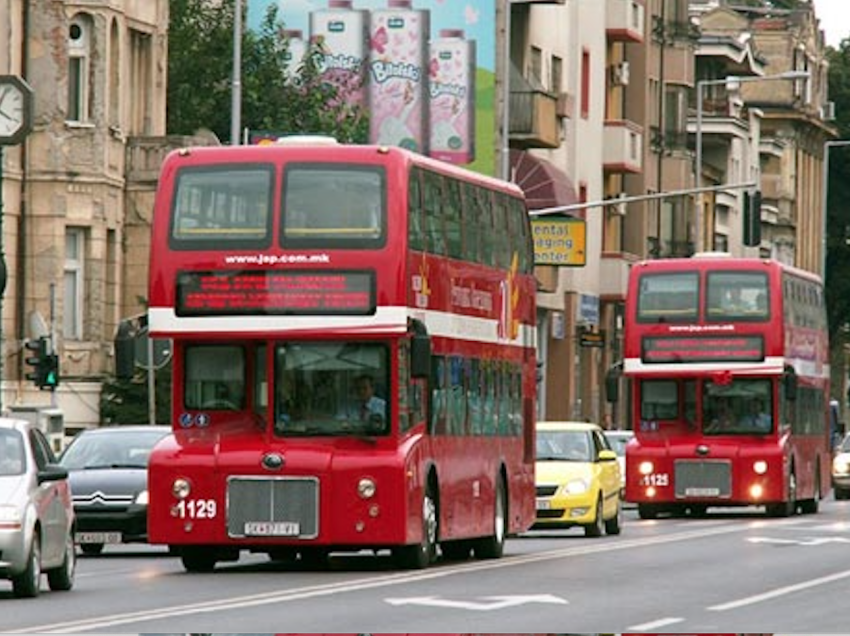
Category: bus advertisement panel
[354,355]
[728,367]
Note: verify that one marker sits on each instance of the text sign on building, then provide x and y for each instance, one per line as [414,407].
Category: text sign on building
[559,240]
[274,292]
[703,349]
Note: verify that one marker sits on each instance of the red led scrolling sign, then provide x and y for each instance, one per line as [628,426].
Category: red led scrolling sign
[274,292]
[703,349]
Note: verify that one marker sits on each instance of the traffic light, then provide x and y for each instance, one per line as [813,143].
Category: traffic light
[752,218]
[45,365]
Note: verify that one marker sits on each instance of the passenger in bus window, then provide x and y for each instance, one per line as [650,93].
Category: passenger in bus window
[722,419]
[367,406]
[757,418]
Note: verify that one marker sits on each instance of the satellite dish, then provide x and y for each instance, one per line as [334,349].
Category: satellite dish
[161,350]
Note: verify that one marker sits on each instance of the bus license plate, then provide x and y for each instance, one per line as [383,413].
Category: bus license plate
[543,504]
[272,528]
[702,492]
[98,537]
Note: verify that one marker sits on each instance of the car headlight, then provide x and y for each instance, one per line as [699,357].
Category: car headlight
[577,487]
[10,514]
[142,498]
[840,466]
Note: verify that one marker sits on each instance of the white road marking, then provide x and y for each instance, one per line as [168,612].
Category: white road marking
[662,622]
[781,591]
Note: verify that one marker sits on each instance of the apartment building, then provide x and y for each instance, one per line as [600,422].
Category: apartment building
[77,192]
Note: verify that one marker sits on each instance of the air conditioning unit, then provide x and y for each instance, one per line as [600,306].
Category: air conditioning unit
[827,111]
[620,74]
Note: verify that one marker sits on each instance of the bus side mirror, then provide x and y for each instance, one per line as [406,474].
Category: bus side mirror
[790,385]
[420,356]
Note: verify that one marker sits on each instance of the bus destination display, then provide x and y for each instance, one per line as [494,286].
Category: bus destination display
[274,292]
[703,349]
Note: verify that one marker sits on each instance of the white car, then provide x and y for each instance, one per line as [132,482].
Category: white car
[36,512]
[841,470]
[618,440]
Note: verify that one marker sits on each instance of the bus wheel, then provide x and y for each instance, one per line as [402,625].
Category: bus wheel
[456,550]
[647,511]
[198,559]
[493,547]
[422,554]
[810,506]
[789,507]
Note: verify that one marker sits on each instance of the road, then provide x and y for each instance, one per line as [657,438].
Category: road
[731,571]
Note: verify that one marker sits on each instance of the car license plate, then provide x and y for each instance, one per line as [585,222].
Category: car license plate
[97,537]
[702,492]
[543,504]
[272,528]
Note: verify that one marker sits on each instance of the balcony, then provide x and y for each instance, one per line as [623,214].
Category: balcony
[534,120]
[614,273]
[624,20]
[622,147]
[773,188]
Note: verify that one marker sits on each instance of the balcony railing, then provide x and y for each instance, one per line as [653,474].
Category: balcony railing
[534,120]
[624,20]
[622,147]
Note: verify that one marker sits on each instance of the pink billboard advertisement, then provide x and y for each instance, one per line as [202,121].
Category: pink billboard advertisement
[423,69]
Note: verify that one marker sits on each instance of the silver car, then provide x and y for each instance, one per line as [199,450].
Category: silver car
[36,512]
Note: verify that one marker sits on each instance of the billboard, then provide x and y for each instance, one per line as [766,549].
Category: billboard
[423,69]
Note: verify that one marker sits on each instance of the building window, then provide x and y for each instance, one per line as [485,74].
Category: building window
[79,57]
[585,84]
[557,70]
[72,322]
[535,71]
[675,116]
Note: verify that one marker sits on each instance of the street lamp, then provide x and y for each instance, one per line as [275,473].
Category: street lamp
[826,148]
[236,90]
[731,80]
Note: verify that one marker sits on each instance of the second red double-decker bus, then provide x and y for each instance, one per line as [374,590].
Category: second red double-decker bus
[354,355]
[728,367]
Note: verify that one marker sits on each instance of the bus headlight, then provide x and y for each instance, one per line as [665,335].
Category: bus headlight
[760,467]
[181,488]
[646,468]
[366,488]
[756,491]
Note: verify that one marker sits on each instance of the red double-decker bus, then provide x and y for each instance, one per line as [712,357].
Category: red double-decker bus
[728,368]
[354,355]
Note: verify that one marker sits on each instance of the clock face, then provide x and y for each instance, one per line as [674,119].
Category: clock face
[12,110]
[15,109]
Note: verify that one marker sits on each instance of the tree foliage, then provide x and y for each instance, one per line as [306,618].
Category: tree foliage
[277,95]
[126,401]
[838,200]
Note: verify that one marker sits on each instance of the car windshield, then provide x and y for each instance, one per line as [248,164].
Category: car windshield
[571,446]
[12,457]
[110,449]
[618,443]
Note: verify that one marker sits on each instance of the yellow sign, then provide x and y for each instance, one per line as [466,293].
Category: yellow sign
[559,240]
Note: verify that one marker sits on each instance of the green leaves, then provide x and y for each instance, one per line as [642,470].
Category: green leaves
[275,96]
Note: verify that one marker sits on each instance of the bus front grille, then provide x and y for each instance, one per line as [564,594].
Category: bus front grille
[273,507]
[701,478]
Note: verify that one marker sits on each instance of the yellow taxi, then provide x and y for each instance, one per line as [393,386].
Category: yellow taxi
[577,478]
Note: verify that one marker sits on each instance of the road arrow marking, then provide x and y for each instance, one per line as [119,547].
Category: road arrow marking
[818,541]
[486,604]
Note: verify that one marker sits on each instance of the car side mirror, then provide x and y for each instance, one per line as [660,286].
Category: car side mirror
[52,472]
[607,456]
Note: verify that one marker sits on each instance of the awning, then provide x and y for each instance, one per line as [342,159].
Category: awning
[545,185]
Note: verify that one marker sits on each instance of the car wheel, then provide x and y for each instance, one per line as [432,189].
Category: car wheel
[61,579]
[614,525]
[91,549]
[493,547]
[594,529]
[28,583]
[421,555]
[841,494]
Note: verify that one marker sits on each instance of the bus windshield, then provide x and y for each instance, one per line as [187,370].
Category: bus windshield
[742,407]
[331,388]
